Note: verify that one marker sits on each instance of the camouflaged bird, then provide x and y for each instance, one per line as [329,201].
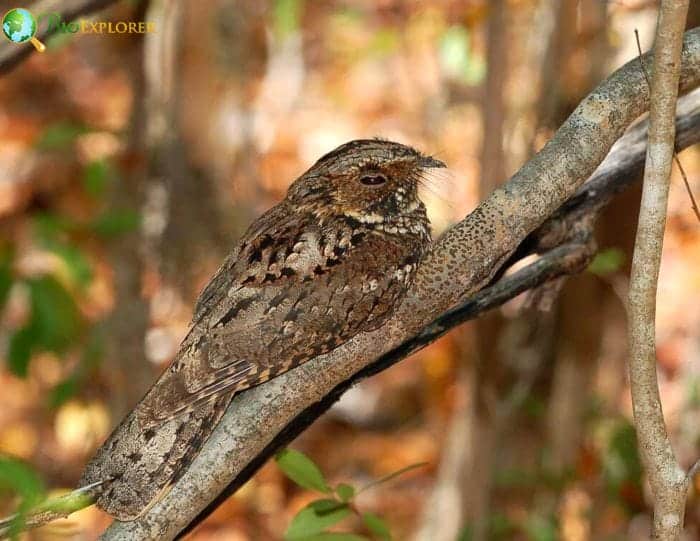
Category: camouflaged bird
[333,259]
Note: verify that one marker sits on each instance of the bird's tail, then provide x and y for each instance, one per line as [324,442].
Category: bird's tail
[138,463]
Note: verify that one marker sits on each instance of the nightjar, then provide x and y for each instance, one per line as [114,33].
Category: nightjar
[333,259]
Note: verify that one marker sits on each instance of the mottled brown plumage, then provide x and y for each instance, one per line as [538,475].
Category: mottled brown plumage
[331,260]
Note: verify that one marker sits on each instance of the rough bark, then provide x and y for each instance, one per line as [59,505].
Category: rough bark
[669,483]
[462,262]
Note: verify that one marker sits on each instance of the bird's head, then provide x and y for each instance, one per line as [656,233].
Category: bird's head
[370,180]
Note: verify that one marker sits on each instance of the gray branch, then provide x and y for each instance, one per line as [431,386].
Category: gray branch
[668,482]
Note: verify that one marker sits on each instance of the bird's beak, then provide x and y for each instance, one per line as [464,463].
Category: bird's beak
[429,162]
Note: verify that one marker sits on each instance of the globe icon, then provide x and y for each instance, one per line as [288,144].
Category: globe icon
[19,26]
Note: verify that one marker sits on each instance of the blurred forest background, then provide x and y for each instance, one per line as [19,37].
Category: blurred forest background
[130,164]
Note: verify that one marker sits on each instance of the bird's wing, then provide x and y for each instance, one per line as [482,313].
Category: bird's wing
[291,294]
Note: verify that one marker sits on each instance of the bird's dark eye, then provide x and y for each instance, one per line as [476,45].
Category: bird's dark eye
[373,180]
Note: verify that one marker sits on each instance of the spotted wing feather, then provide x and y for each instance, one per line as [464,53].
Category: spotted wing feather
[290,291]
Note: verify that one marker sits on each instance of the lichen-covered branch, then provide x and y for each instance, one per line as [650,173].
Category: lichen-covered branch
[668,481]
[461,263]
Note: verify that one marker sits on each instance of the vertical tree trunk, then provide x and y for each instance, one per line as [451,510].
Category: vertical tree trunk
[129,372]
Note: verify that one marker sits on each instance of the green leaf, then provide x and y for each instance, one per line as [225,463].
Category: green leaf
[55,317]
[326,505]
[377,526]
[116,222]
[96,176]
[93,350]
[18,478]
[48,227]
[345,492]
[63,392]
[76,262]
[316,517]
[302,470]
[60,135]
[20,351]
[607,261]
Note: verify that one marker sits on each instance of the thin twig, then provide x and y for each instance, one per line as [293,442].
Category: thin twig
[51,509]
[391,476]
[693,203]
[668,482]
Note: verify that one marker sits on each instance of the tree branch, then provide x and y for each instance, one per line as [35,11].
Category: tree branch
[462,262]
[669,484]
[11,54]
